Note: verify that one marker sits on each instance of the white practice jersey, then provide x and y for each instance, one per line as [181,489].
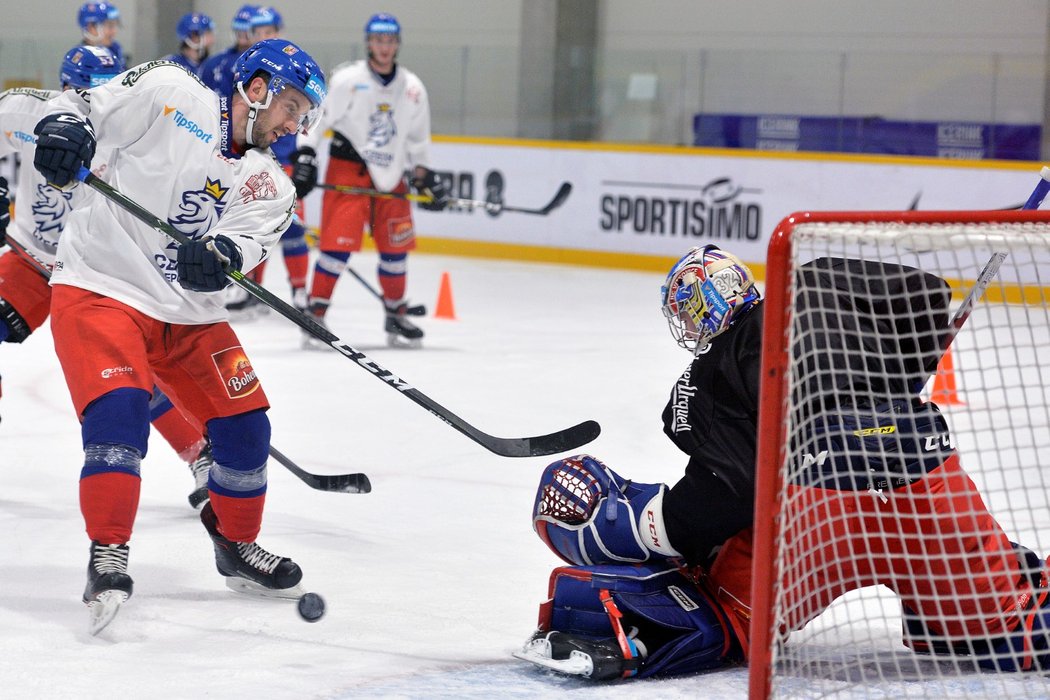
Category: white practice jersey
[168,142]
[388,125]
[40,210]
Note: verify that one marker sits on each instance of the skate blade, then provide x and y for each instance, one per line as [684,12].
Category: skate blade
[538,652]
[103,609]
[243,585]
[396,340]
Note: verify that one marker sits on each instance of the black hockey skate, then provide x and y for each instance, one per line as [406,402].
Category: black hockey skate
[108,584]
[243,306]
[249,568]
[200,468]
[400,332]
[593,658]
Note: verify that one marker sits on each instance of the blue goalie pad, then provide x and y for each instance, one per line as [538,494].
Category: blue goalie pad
[660,620]
[588,514]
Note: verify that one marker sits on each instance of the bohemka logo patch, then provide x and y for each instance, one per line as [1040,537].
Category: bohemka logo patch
[236,372]
[684,601]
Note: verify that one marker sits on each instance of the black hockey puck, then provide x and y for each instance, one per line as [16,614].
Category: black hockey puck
[311,607]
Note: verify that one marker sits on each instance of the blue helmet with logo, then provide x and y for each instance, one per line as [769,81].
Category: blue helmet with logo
[382,23]
[287,66]
[193,23]
[96,13]
[265,16]
[87,66]
[242,21]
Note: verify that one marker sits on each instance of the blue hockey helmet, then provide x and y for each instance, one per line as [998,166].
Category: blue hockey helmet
[266,16]
[705,291]
[96,13]
[193,23]
[87,66]
[242,21]
[382,23]
[287,65]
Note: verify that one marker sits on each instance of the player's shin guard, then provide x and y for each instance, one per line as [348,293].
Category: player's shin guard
[618,621]
[296,254]
[115,430]
[237,479]
[588,514]
[392,270]
[330,264]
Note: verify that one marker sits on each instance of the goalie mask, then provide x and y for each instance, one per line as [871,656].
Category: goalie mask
[704,293]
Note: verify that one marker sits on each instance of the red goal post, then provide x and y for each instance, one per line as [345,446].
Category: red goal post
[951,245]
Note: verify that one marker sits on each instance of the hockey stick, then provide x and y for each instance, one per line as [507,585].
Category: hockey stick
[560,441]
[991,269]
[416,310]
[340,483]
[491,207]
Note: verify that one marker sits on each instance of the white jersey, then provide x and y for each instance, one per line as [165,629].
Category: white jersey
[40,210]
[388,125]
[169,145]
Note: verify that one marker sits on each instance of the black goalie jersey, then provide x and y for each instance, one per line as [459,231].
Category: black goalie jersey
[877,328]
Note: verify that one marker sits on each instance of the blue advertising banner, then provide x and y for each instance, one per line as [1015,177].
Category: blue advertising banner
[773,132]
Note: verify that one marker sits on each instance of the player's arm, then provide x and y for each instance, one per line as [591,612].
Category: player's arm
[308,143]
[417,144]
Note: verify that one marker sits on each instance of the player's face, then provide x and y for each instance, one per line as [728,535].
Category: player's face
[284,116]
[268,31]
[382,49]
[103,34]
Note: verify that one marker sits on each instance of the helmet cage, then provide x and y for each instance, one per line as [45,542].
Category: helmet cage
[700,304]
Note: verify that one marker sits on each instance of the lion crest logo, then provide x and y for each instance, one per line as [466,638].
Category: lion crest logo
[50,209]
[200,209]
[381,127]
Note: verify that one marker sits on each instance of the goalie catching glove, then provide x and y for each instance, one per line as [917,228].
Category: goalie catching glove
[64,144]
[427,183]
[203,263]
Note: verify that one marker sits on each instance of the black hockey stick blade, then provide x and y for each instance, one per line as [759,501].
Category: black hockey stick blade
[559,198]
[559,441]
[338,483]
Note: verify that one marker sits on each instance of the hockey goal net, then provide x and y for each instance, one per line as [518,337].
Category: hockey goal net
[848,524]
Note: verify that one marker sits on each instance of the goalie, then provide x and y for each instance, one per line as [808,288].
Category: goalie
[659,579]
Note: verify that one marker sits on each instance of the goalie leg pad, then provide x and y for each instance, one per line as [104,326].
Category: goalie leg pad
[659,620]
[588,514]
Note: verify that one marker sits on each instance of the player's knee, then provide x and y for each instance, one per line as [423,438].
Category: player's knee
[240,447]
[588,514]
[115,431]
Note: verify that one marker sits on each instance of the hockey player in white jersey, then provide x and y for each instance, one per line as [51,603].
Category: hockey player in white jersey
[379,114]
[128,303]
[25,297]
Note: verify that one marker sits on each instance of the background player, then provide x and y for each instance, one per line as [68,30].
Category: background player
[99,23]
[628,535]
[128,303]
[379,132]
[25,296]
[217,71]
[267,23]
[196,34]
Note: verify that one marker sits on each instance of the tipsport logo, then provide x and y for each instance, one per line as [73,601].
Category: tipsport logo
[20,136]
[189,125]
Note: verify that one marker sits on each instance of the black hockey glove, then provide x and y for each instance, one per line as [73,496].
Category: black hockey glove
[5,211]
[202,263]
[430,185]
[304,171]
[65,142]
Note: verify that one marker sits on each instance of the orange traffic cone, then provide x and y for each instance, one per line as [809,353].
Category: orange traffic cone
[444,308]
[944,390]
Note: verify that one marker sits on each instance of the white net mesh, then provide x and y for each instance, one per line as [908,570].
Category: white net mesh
[890,509]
